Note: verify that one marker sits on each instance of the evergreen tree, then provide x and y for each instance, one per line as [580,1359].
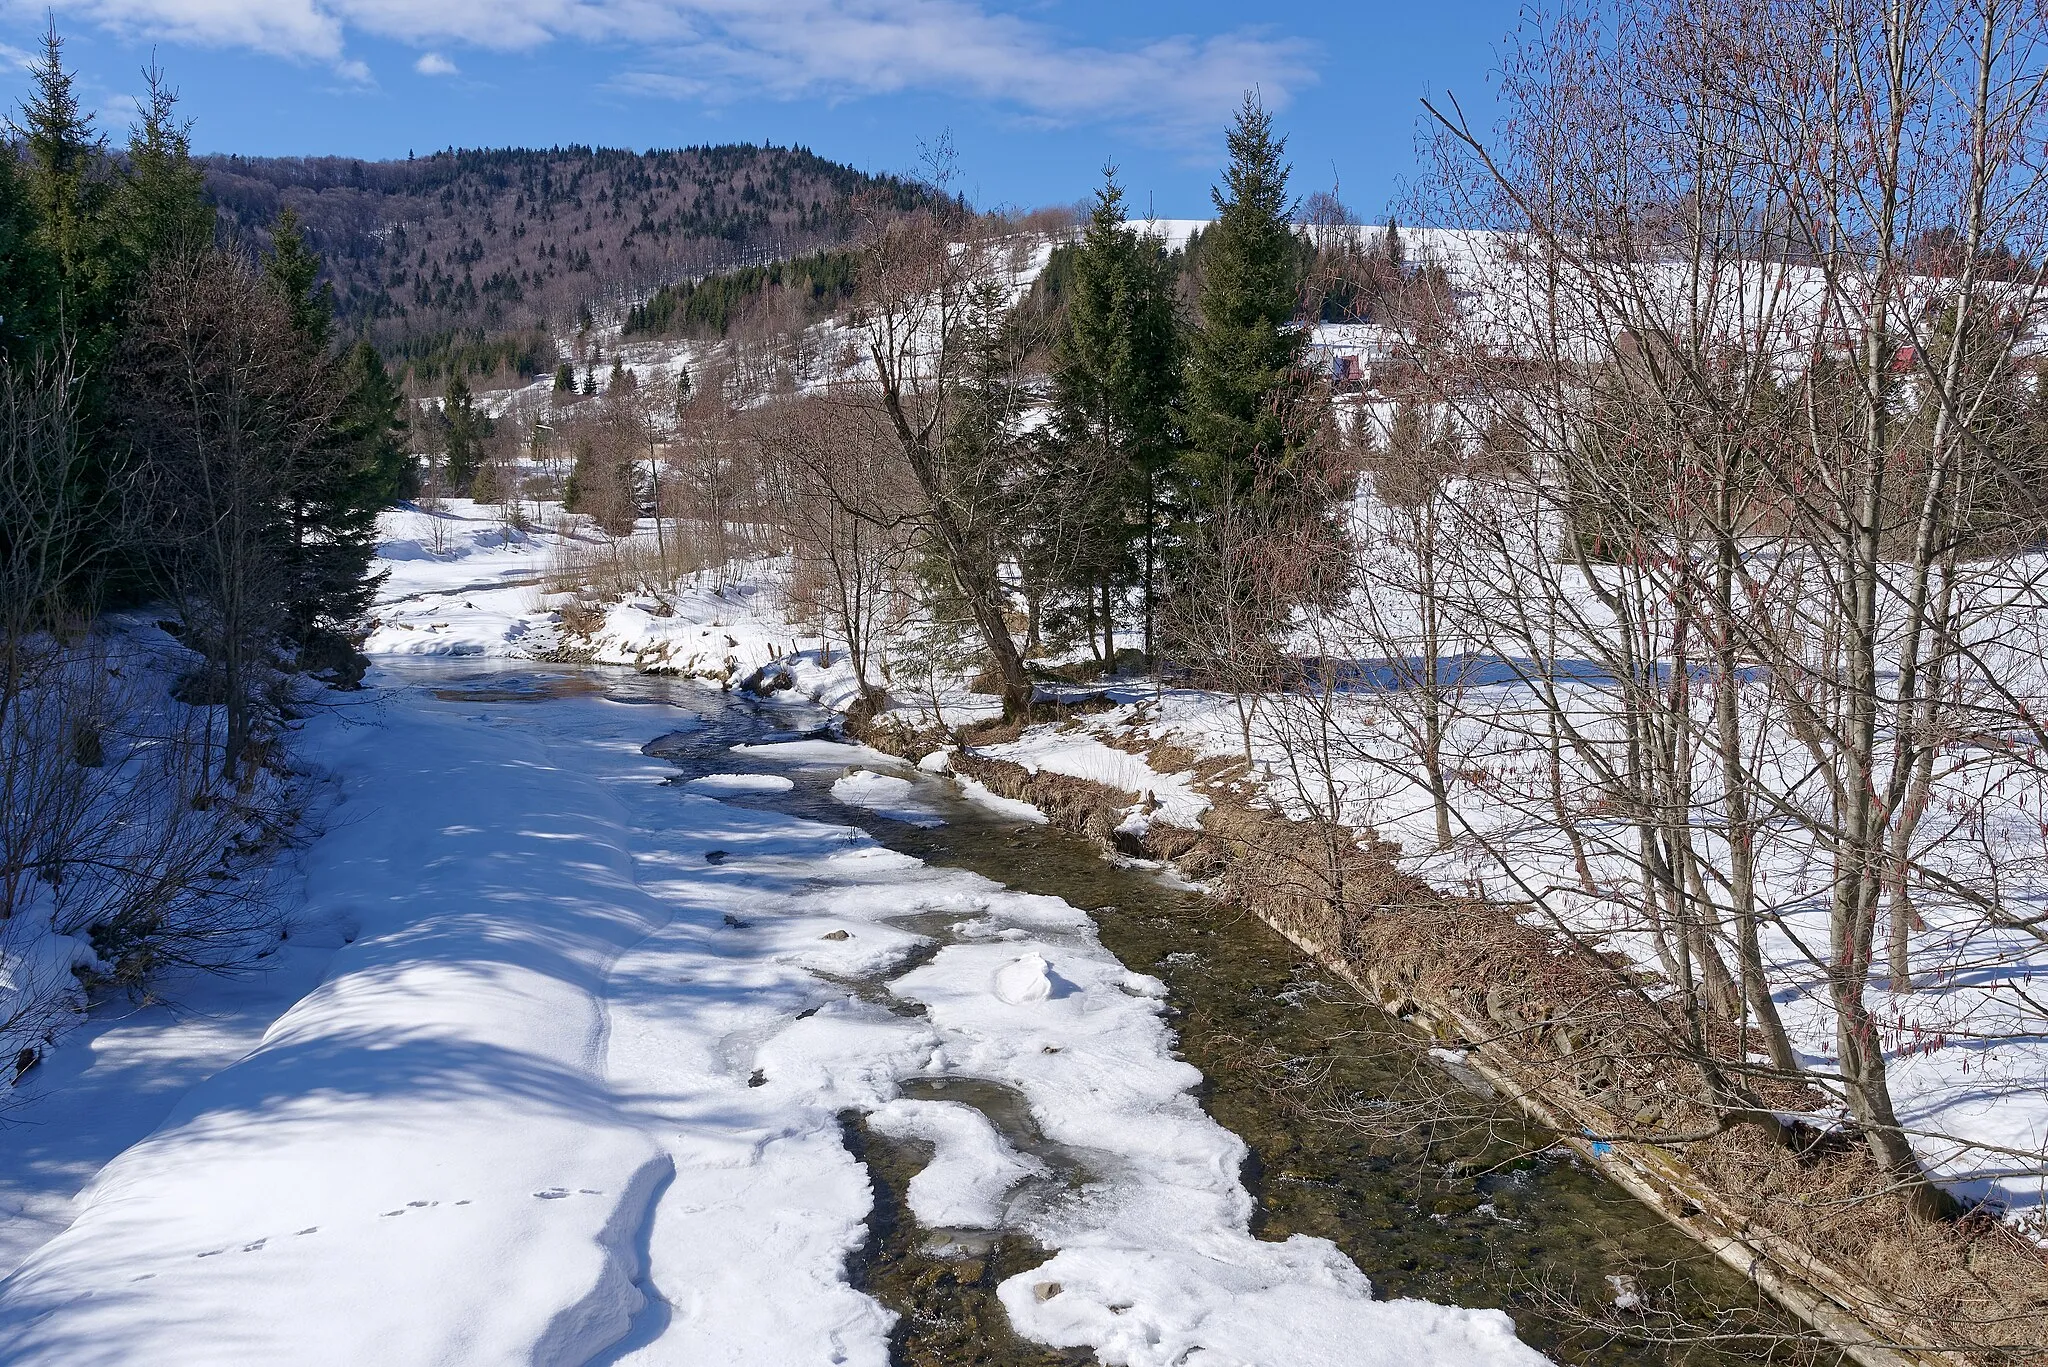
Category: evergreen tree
[373,416]
[466,429]
[76,258]
[565,379]
[603,486]
[27,280]
[160,208]
[353,468]
[69,187]
[684,391]
[293,269]
[1116,381]
[1247,352]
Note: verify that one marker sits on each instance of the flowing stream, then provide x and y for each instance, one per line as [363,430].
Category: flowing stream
[1357,1133]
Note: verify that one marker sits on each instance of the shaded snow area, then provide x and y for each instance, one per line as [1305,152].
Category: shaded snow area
[567,1085]
[145,842]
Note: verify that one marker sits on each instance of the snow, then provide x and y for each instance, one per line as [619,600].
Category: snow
[1006,807]
[1966,1065]
[1210,1306]
[457,582]
[814,754]
[424,1103]
[886,795]
[1081,755]
[1968,1073]
[1028,979]
[719,785]
[973,1168]
[572,1088]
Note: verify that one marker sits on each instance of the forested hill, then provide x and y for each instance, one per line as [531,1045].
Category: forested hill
[440,253]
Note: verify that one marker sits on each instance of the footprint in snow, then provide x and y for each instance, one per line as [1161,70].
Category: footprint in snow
[552,1193]
[256,1247]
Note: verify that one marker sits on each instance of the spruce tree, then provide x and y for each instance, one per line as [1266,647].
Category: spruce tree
[160,208]
[74,257]
[333,493]
[69,188]
[1247,351]
[27,279]
[466,429]
[372,417]
[293,268]
[1116,381]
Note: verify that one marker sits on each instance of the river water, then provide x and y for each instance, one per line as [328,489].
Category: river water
[1357,1133]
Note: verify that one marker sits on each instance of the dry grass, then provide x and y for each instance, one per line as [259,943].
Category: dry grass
[614,568]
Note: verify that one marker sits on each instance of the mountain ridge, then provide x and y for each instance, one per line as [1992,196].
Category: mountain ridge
[476,257]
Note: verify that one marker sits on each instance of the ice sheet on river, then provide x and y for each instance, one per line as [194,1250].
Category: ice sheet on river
[574,1089]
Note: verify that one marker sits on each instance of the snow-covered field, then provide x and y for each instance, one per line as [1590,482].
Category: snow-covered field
[553,1066]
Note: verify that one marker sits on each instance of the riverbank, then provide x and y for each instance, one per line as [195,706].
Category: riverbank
[1571,1032]
[1570,1042]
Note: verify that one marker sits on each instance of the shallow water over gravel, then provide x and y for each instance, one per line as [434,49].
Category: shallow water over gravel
[1343,1109]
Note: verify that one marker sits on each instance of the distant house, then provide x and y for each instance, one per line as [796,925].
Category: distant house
[1349,352]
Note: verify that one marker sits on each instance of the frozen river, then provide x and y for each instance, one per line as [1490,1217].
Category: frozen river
[559,1060]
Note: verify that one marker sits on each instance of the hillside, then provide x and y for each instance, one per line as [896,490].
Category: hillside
[482,254]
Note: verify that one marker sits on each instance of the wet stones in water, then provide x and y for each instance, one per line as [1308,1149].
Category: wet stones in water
[942,1283]
[733,922]
[714,856]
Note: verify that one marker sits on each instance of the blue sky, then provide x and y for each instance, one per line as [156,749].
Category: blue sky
[1037,94]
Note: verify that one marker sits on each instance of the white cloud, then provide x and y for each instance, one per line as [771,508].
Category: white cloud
[434,64]
[1173,85]
[298,28]
[354,72]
